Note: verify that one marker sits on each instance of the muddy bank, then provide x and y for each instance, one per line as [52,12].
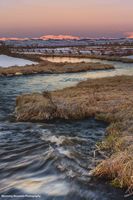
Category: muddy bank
[107,99]
[53,68]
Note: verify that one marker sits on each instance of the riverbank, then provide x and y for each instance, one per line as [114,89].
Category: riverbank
[38,57]
[107,99]
[53,68]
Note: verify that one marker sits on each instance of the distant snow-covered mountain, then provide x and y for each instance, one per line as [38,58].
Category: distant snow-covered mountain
[13,39]
[63,37]
[61,41]
[59,37]
[45,37]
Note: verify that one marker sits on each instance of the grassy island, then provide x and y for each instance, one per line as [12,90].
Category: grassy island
[53,68]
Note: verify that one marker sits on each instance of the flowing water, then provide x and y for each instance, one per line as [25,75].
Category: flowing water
[120,68]
[51,160]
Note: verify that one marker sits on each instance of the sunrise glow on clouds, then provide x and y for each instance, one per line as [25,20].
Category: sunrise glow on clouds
[92,18]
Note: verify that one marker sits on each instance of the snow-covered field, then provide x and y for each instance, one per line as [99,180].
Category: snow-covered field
[7,61]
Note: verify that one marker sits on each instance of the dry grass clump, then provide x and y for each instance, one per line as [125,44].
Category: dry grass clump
[49,67]
[119,168]
[111,100]
[34,107]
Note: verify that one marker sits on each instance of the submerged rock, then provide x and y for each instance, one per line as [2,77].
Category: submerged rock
[35,107]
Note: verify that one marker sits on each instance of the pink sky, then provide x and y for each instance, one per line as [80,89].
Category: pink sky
[92,18]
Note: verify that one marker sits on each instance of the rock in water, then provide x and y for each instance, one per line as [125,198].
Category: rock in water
[35,107]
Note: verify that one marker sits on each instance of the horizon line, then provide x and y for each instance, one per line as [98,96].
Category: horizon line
[62,37]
